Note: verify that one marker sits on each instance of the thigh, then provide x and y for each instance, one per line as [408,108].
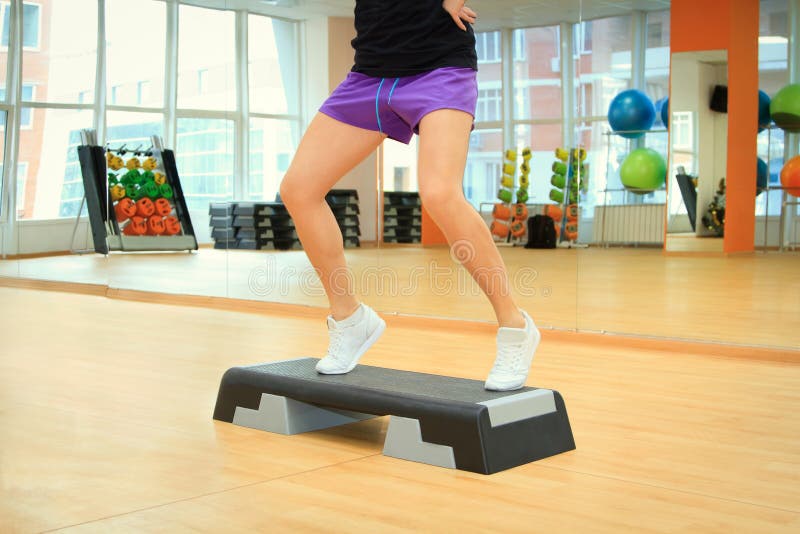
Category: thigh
[443,146]
[328,150]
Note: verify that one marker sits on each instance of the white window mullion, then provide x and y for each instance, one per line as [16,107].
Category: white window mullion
[171,76]
[100,75]
[568,82]
[14,82]
[507,51]
[241,145]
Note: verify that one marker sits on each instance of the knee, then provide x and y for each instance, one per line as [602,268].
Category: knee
[292,191]
[438,197]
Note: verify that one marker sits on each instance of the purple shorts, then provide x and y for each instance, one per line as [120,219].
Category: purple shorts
[395,106]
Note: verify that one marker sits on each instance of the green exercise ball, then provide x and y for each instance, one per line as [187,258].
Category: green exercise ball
[785,108]
[643,171]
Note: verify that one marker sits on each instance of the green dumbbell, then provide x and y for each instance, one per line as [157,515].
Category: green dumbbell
[134,191]
[558,181]
[148,176]
[522,196]
[560,168]
[504,195]
[557,196]
[165,190]
[151,190]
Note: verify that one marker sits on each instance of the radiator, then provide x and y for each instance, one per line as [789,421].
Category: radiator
[629,224]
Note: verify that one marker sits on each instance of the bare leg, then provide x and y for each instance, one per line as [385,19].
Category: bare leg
[443,145]
[328,150]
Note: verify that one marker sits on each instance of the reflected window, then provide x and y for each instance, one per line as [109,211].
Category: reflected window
[32,24]
[488,48]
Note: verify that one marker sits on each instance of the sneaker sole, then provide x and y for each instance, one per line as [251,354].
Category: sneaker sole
[364,348]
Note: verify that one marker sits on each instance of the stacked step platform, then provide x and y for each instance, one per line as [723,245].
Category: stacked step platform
[268,225]
[402,217]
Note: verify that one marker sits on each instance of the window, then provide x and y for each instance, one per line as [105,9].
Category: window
[657,56]
[400,166]
[142,92]
[67,66]
[272,145]
[30,30]
[487,47]
[605,67]
[773,74]
[683,134]
[22,180]
[26,114]
[133,129]
[202,81]
[537,78]
[482,173]
[490,78]
[273,72]
[206,59]
[53,180]
[490,105]
[136,64]
[204,154]
[520,46]
[3,117]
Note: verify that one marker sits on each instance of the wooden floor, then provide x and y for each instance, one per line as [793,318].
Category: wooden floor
[105,411]
[748,300]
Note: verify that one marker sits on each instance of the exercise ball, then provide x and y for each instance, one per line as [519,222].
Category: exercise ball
[659,105]
[790,176]
[643,171]
[631,112]
[665,113]
[762,175]
[785,108]
[764,118]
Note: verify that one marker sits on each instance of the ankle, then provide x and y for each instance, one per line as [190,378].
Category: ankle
[340,313]
[513,319]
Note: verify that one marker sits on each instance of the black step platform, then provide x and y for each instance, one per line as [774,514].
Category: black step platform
[440,420]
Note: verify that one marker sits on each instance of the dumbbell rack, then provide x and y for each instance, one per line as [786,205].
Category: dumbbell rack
[402,217]
[107,232]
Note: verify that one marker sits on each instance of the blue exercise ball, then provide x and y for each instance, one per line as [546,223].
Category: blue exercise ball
[659,105]
[665,113]
[762,175]
[631,112]
[764,117]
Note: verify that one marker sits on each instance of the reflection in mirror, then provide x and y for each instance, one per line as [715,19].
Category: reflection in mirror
[698,135]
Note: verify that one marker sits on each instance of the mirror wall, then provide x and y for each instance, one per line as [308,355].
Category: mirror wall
[237,85]
[699,149]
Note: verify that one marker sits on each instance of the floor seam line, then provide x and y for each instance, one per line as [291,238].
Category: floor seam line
[200,496]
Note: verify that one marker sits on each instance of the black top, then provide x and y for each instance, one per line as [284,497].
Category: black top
[402,38]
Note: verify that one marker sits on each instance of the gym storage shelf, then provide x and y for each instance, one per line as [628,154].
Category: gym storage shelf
[344,205]
[109,181]
[402,217]
[247,225]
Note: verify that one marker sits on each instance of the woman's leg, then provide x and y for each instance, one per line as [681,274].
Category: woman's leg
[328,150]
[443,145]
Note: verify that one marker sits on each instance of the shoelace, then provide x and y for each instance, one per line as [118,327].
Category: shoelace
[335,345]
[509,357]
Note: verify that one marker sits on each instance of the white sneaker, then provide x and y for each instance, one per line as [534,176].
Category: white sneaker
[515,350]
[349,340]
